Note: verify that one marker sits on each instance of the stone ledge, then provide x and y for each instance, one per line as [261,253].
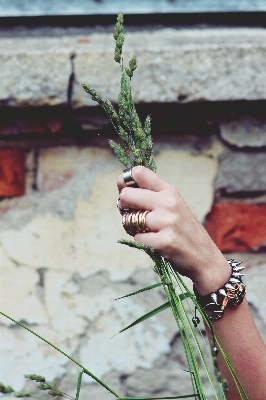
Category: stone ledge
[174,65]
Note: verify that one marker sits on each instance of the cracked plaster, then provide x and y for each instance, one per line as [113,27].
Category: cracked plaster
[67,250]
[75,245]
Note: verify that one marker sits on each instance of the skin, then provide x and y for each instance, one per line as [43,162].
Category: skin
[180,238]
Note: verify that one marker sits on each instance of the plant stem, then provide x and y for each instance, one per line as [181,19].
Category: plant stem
[66,355]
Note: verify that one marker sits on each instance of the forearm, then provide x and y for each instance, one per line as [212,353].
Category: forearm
[240,339]
[237,333]
[245,349]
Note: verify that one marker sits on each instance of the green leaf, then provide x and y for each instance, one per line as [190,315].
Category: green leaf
[148,315]
[186,396]
[141,290]
[79,384]
[157,310]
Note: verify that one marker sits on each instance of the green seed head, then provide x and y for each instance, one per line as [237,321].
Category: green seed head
[55,393]
[118,54]
[129,72]
[133,64]
[23,394]
[120,40]
[120,17]
[5,389]
[36,378]
[44,386]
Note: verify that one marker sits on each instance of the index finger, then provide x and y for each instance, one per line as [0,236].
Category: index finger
[145,178]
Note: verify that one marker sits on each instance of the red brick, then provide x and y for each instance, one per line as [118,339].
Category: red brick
[12,172]
[237,227]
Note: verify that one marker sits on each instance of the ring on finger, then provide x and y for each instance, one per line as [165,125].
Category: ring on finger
[135,222]
[121,209]
[128,178]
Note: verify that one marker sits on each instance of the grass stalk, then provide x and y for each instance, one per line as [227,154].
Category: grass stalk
[85,370]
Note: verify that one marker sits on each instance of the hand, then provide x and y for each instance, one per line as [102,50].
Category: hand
[175,232]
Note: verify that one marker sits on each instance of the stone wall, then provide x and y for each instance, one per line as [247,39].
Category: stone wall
[61,265]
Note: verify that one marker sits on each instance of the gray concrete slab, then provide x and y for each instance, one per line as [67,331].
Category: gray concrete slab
[174,65]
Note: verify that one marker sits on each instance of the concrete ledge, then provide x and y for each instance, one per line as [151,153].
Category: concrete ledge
[174,65]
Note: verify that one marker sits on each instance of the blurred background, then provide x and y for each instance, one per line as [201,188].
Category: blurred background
[202,77]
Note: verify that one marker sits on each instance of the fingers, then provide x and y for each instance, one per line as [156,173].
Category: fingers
[145,178]
[139,199]
[155,240]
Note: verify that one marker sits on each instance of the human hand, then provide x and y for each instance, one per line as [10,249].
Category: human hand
[175,232]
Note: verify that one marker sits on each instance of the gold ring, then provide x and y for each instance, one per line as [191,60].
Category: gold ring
[135,222]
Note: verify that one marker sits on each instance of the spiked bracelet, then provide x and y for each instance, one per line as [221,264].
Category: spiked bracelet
[231,294]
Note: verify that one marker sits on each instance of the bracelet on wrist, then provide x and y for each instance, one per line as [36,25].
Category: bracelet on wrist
[231,294]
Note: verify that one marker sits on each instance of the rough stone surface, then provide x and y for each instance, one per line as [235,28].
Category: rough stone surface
[245,132]
[241,172]
[237,227]
[174,65]
[12,172]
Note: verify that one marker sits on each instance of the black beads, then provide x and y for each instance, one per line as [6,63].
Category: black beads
[195,321]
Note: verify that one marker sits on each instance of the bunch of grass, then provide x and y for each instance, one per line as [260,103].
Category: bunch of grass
[136,149]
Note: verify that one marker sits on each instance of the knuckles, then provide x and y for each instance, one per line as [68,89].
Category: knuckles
[125,195]
[172,200]
[140,173]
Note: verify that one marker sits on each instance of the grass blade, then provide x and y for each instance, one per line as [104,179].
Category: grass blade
[154,312]
[79,385]
[141,290]
[186,396]
[85,370]
[148,315]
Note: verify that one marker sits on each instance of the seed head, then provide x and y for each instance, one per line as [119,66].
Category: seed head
[44,386]
[55,393]
[36,378]
[23,394]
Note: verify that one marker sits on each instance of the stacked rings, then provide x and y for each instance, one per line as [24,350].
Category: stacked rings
[135,222]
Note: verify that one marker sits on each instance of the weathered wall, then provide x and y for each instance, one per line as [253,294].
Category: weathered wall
[61,266]
[174,65]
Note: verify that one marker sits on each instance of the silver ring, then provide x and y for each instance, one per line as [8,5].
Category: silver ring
[121,209]
[128,178]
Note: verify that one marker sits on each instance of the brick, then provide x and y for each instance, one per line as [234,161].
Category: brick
[241,171]
[12,172]
[237,227]
[244,132]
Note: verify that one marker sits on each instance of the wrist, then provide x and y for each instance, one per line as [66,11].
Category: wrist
[212,277]
[232,293]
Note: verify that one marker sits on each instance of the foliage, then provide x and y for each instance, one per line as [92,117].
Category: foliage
[136,141]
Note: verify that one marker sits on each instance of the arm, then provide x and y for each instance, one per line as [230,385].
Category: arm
[182,240]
